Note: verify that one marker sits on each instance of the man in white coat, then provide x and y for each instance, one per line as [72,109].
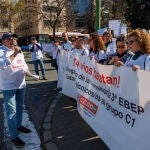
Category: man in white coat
[13,85]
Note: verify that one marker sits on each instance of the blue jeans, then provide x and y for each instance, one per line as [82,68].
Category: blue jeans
[40,62]
[14,101]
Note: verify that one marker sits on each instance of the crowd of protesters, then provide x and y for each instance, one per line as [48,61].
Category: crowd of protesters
[132,51]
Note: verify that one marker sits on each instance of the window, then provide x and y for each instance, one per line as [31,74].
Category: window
[45,1]
[46,22]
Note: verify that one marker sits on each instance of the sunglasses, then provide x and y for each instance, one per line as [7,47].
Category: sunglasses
[131,42]
[121,46]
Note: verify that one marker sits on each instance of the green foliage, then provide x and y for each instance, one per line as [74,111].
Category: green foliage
[137,13]
[18,6]
[7,10]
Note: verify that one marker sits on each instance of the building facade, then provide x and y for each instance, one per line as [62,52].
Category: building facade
[5,24]
[80,8]
[36,19]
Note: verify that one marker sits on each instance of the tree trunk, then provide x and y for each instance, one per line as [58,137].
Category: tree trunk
[91,17]
[54,30]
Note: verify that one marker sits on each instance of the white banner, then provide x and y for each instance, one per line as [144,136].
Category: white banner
[70,74]
[113,101]
[48,47]
[124,29]
[115,26]
[61,68]
[101,31]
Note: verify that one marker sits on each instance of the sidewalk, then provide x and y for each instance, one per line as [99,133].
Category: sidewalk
[32,139]
[68,131]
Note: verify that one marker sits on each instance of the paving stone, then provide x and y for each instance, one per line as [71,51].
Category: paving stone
[45,89]
[52,105]
[70,131]
[51,146]
[47,126]
[50,112]
[48,118]
[47,136]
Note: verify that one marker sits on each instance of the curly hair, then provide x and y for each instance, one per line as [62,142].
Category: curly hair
[143,39]
[121,38]
[98,43]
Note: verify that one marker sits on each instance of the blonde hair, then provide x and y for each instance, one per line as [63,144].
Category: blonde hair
[143,39]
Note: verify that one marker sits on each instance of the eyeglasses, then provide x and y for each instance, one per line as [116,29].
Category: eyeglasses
[121,46]
[131,42]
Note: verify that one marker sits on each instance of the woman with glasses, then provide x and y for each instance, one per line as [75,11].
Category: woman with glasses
[122,52]
[139,44]
[74,42]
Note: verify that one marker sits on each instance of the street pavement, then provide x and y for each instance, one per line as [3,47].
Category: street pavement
[58,124]
[70,131]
